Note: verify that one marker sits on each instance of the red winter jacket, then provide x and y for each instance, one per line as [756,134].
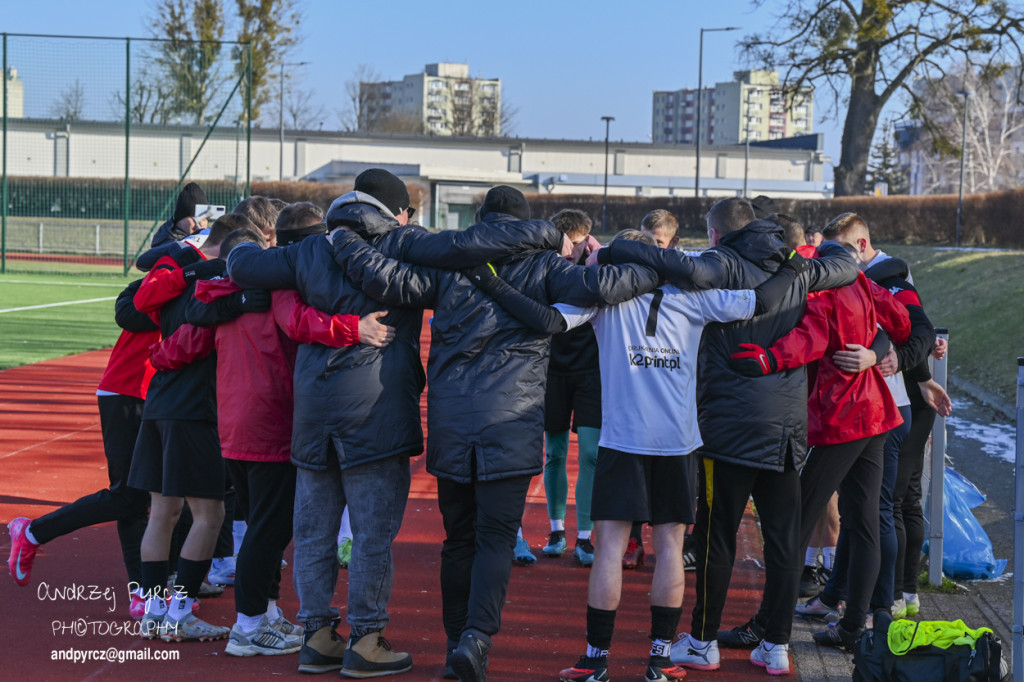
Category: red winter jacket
[844,407]
[255,363]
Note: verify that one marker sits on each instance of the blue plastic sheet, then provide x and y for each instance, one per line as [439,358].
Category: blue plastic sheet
[966,548]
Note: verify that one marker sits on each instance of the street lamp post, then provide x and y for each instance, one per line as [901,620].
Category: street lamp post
[280,118]
[746,152]
[963,158]
[700,93]
[604,205]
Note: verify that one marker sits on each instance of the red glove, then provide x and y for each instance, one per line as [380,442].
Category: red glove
[754,361]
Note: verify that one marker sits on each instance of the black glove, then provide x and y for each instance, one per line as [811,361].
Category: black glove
[207,269]
[754,361]
[255,300]
[796,262]
[773,290]
[483,277]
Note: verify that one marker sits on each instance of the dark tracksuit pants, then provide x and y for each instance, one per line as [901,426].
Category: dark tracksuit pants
[855,470]
[722,498]
[481,520]
[908,516]
[120,419]
[271,488]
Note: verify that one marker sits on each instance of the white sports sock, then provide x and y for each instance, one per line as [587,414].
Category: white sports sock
[811,556]
[583,534]
[345,529]
[660,647]
[249,623]
[594,652]
[557,524]
[519,533]
[273,611]
[156,606]
[28,535]
[181,606]
[828,556]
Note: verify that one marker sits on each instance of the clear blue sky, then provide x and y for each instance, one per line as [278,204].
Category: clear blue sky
[562,63]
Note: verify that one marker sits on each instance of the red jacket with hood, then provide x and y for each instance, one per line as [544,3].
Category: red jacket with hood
[255,363]
[844,407]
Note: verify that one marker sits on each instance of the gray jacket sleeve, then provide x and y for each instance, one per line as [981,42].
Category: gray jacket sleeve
[384,279]
[833,268]
[478,244]
[254,268]
[686,272]
[590,286]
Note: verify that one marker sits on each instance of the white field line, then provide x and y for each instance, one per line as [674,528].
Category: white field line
[59,283]
[47,442]
[54,305]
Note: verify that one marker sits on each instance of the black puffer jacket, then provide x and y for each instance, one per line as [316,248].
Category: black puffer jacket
[361,400]
[487,371]
[753,422]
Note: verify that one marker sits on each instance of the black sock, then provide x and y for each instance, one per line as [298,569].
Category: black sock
[664,621]
[154,577]
[600,626]
[191,574]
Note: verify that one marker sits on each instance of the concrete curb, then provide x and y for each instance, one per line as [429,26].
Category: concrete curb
[1008,411]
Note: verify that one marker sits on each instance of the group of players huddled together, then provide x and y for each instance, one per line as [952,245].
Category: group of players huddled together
[275,354]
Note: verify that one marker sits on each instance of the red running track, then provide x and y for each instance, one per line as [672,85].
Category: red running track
[51,453]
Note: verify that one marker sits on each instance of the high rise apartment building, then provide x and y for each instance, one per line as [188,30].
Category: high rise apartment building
[753,105]
[442,100]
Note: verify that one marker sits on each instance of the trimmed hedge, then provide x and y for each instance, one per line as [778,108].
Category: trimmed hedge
[992,219]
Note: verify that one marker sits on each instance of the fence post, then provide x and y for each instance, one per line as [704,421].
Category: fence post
[935,514]
[127,138]
[3,209]
[1017,657]
[40,237]
[97,239]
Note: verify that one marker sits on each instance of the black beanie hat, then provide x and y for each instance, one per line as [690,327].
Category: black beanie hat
[385,187]
[191,194]
[763,206]
[507,200]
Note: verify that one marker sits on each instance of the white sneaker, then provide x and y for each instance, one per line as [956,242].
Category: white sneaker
[290,631]
[899,609]
[772,657]
[265,640]
[691,653]
[222,571]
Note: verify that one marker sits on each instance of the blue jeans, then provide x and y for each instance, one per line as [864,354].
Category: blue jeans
[376,494]
[882,595]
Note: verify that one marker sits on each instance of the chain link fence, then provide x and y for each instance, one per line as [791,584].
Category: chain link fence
[99,134]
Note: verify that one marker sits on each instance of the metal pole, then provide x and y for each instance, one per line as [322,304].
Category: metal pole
[127,138]
[963,159]
[248,123]
[604,205]
[938,473]
[700,94]
[1017,657]
[280,123]
[3,209]
[746,152]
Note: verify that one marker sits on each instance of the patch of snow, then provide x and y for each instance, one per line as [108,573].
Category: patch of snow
[997,440]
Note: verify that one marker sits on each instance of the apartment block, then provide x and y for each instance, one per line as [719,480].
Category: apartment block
[753,106]
[442,100]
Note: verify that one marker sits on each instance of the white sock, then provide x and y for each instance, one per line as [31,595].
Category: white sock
[248,623]
[557,525]
[28,535]
[273,612]
[583,534]
[594,652]
[181,606]
[811,556]
[238,529]
[519,533]
[156,606]
[828,556]
[660,647]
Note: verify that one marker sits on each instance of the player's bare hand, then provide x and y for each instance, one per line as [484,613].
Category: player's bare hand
[856,358]
[372,332]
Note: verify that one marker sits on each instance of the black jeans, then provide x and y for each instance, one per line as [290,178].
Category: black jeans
[855,470]
[120,419]
[271,487]
[481,520]
[721,500]
[908,516]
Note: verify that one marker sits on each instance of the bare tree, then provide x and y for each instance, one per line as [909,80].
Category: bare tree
[301,110]
[357,97]
[994,133]
[508,116]
[70,104]
[150,99]
[866,52]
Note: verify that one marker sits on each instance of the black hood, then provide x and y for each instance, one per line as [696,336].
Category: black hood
[361,213]
[760,242]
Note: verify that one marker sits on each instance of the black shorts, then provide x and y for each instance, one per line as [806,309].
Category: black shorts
[652,488]
[572,395]
[178,458]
